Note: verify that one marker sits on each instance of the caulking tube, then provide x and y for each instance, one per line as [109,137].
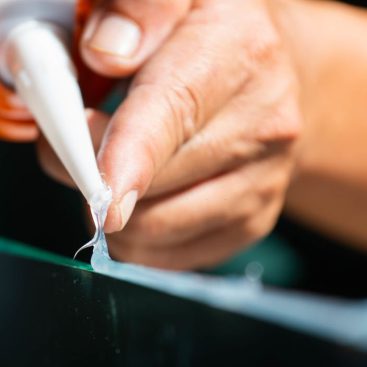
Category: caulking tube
[34,59]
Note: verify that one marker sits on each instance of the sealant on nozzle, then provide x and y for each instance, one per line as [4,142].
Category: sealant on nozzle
[37,63]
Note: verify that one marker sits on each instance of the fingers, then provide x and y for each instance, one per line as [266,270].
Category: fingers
[215,204]
[123,33]
[207,224]
[204,251]
[18,131]
[188,214]
[238,134]
[50,162]
[172,97]
[199,253]
[228,141]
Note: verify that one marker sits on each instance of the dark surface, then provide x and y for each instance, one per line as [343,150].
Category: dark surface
[35,209]
[328,266]
[362,3]
[58,316]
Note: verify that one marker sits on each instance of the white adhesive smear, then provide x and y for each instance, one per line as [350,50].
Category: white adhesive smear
[341,321]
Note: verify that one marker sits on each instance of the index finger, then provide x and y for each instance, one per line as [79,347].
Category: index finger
[200,67]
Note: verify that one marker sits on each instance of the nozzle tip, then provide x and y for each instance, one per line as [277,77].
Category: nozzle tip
[101,198]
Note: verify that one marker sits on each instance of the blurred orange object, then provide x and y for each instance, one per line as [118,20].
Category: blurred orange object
[16,123]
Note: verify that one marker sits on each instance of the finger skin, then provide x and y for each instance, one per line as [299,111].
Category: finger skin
[15,131]
[236,135]
[156,20]
[205,251]
[165,109]
[196,254]
[185,215]
[215,205]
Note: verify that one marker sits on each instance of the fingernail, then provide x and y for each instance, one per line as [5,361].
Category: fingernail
[114,35]
[127,206]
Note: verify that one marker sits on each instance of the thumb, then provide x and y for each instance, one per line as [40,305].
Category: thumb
[121,34]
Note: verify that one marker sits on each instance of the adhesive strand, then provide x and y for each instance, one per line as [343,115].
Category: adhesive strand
[98,208]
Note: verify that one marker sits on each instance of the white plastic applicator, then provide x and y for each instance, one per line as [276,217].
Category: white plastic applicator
[39,66]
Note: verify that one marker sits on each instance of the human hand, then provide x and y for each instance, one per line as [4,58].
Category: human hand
[205,138]
[15,120]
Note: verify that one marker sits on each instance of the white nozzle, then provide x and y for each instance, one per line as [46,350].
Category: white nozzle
[40,68]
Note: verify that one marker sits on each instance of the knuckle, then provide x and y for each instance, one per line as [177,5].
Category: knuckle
[265,47]
[287,123]
[284,125]
[275,188]
[180,103]
[256,229]
[246,210]
[178,7]
[186,106]
[149,163]
[208,146]
[244,150]
[260,223]
[268,193]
